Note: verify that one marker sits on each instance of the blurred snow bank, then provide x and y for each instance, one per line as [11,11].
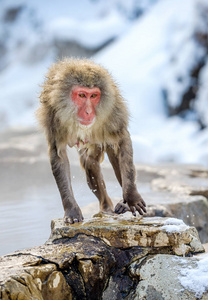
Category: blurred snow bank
[32,35]
[141,61]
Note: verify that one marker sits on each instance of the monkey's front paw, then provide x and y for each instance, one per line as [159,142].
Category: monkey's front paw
[121,207]
[73,216]
[136,203]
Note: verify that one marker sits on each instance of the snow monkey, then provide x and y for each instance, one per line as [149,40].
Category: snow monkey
[81,106]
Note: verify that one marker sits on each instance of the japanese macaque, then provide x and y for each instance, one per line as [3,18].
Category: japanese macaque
[81,106]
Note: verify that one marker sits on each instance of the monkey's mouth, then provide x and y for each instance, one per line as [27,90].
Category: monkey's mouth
[87,123]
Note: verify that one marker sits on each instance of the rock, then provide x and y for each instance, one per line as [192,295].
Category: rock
[180,182]
[76,268]
[97,259]
[119,231]
[187,208]
[39,282]
[160,277]
[179,191]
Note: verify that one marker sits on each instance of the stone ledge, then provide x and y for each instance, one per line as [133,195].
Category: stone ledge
[101,258]
[124,232]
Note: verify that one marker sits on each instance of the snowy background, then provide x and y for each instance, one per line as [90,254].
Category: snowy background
[157,51]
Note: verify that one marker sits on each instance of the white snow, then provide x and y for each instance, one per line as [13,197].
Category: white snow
[173,221]
[196,279]
[172,225]
[202,102]
[141,61]
[89,34]
[142,69]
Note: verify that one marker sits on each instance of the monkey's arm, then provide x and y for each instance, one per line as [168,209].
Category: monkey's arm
[61,171]
[128,178]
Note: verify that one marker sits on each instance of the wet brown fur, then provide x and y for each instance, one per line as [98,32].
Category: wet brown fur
[57,116]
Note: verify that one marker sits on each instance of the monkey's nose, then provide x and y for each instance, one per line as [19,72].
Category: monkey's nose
[88,110]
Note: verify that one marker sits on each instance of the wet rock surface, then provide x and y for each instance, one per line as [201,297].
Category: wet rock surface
[102,258]
[167,234]
[160,278]
[184,195]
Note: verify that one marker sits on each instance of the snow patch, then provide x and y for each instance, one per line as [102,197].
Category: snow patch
[172,225]
[196,279]
[173,221]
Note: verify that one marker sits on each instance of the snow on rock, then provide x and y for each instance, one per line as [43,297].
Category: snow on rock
[196,279]
[184,56]
[88,34]
[172,225]
[185,88]
[29,29]
[202,97]
[173,221]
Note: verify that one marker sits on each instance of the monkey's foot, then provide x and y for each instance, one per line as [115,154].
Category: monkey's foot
[73,216]
[106,207]
[121,207]
[106,212]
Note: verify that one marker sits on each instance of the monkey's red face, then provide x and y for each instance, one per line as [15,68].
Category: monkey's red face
[86,100]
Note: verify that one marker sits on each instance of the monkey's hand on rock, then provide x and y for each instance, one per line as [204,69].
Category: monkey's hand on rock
[121,207]
[74,215]
[133,203]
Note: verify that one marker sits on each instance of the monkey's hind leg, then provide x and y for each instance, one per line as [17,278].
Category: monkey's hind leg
[120,207]
[91,164]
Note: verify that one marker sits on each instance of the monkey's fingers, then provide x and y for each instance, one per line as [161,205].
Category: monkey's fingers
[121,208]
[133,210]
[140,208]
[142,203]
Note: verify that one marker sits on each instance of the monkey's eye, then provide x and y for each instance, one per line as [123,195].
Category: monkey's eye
[94,96]
[82,95]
